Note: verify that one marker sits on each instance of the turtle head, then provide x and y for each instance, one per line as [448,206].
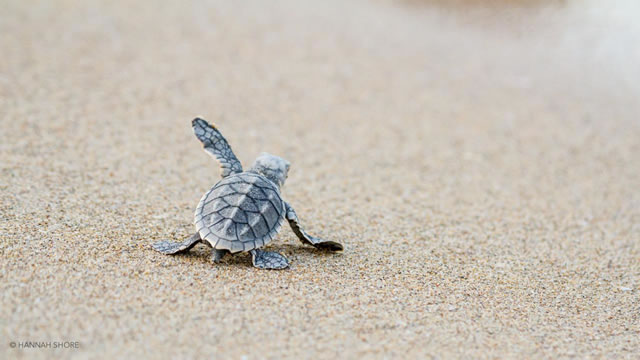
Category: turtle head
[272,167]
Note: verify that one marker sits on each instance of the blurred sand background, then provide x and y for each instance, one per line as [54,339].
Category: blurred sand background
[479,160]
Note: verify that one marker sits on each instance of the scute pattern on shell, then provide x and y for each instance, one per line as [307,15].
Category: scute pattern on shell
[240,213]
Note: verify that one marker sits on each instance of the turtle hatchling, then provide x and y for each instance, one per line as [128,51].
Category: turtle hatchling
[244,211]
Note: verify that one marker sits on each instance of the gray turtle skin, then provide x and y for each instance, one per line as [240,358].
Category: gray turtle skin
[244,211]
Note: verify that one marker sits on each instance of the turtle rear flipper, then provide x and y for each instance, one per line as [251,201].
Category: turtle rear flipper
[268,260]
[171,248]
[217,146]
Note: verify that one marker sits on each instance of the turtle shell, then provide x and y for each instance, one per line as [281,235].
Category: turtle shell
[242,212]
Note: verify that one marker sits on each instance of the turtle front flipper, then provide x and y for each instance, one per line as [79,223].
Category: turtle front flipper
[268,260]
[171,248]
[217,146]
[306,238]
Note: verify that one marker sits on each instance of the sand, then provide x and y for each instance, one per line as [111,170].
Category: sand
[480,163]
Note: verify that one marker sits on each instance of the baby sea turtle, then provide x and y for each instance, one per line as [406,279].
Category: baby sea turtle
[243,211]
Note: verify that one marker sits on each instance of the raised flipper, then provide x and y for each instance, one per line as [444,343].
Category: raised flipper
[306,238]
[172,248]
[268,260]
[217,146]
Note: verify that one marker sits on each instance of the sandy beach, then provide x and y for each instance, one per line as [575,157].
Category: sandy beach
[480,161]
